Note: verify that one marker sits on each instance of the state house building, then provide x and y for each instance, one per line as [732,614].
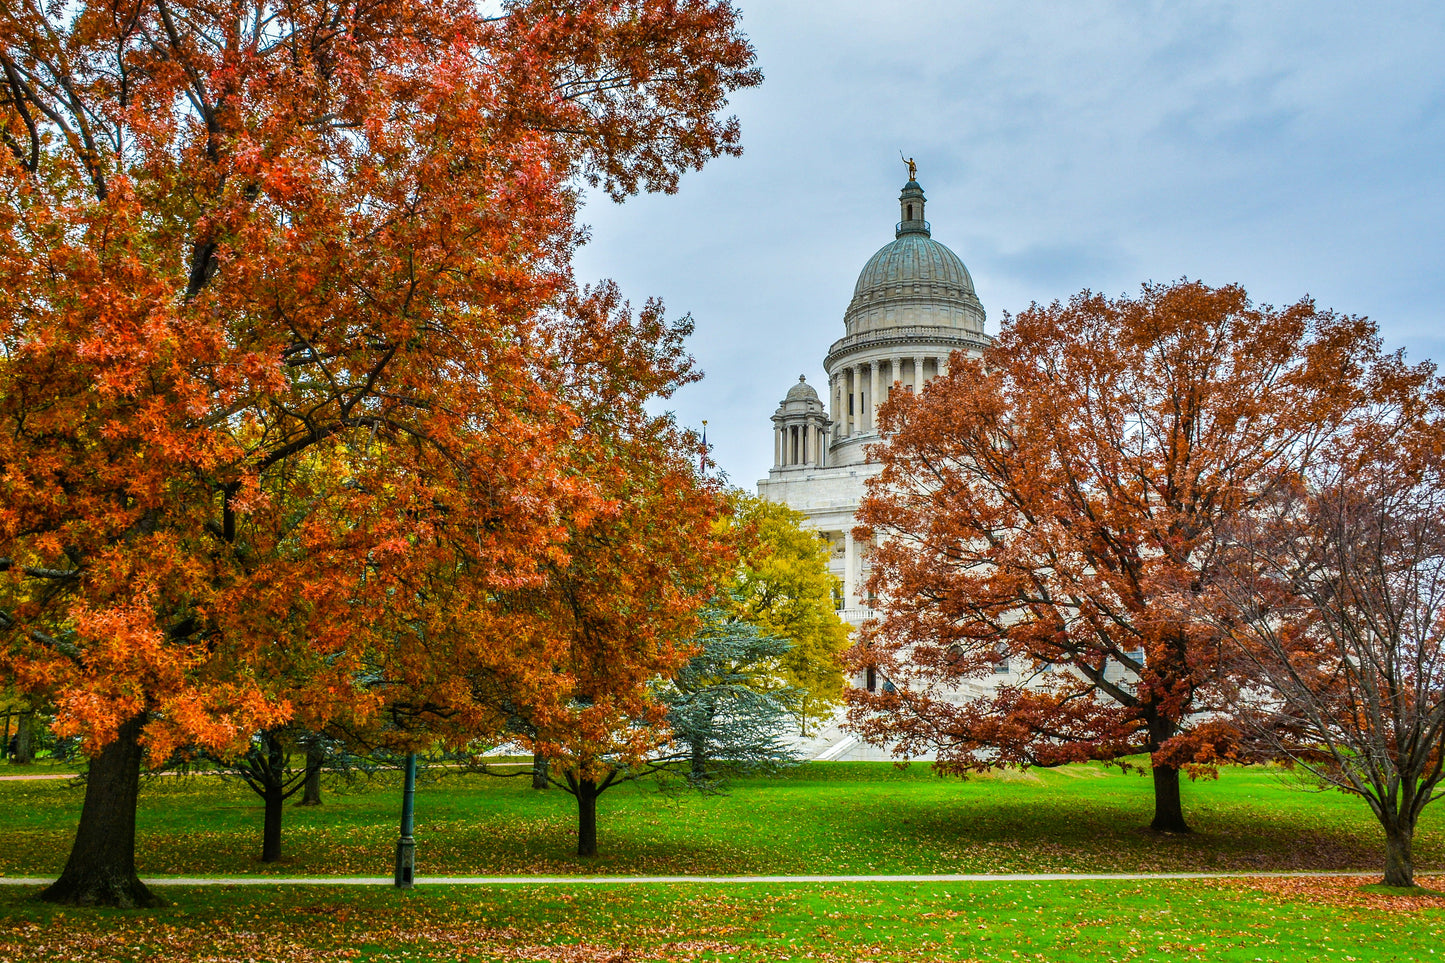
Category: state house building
[913,305]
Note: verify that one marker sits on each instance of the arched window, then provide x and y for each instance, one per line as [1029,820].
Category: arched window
[910,212]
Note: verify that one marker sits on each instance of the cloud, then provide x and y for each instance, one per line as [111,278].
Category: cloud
[1290,146]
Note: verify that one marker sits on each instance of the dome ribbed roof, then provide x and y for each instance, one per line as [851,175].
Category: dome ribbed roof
[913,282]
[802,391]
[913,259]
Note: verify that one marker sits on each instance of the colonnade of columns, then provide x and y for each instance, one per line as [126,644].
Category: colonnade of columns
[855,572]
[799,444]
[855,388]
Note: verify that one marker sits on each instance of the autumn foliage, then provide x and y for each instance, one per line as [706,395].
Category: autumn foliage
[1055,510]
[1334,598]
[278,291]
[783,587]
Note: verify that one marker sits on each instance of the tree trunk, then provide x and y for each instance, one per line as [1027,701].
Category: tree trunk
[271,833]
[1168,806]
[311,792]
[25,738]
[699,759]
[1399,862]
[539,771]
[586,817]
[101,867]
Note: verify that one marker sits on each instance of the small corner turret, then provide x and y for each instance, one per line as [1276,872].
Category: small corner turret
[800,428]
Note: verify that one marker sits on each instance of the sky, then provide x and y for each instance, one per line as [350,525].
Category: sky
[1296,148]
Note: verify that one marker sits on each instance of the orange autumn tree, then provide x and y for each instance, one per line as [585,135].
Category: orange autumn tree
[239,240]
[1050,506]
[571,663]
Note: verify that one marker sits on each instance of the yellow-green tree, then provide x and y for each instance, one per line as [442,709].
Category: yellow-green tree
[783,586]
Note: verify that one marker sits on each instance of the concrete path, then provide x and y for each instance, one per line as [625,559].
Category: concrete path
[666,880]
[40,775]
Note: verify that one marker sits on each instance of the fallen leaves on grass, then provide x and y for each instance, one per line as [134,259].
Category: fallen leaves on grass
[280,943]
[1339,891]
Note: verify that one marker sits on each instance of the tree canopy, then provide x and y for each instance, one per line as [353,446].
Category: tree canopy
[1056,507]
[1333,597]
[279,291]
[783,587]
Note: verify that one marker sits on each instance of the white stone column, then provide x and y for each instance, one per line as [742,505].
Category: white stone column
[850,569]
[837,399]
[777,447]
[861,420]
[917,375]
[873,397]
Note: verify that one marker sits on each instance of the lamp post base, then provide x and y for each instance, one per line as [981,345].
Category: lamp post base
[405,862]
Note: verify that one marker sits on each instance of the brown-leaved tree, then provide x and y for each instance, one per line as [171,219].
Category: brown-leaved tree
[1047,508]
[1334,598]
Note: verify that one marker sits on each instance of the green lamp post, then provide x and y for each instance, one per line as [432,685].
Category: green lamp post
[406,845]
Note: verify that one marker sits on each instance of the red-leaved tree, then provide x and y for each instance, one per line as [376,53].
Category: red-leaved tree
[272,285]
[1334,598]
[1046,509]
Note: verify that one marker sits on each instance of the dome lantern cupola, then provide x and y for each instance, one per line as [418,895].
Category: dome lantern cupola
[910,211]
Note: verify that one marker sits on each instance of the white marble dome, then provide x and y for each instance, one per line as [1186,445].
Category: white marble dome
[914,258]
[914,281]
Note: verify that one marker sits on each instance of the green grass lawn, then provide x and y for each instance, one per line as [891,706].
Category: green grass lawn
[828,818]
[1060,922]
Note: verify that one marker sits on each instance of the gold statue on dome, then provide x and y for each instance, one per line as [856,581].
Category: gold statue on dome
[912,167]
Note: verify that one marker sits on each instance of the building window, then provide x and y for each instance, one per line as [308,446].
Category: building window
[871,679]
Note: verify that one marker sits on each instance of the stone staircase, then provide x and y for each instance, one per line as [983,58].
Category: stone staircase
[830,743]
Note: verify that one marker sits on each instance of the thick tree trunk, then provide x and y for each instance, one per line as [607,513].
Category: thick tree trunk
[25,739]
[311,792]
[586,817]
[1399,861]
[1168,806]
[271,832]
[539,771]
[101,867]
[699,759]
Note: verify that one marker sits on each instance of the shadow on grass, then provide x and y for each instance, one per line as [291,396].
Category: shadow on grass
[846,819]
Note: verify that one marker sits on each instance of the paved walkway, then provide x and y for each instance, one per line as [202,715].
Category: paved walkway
[629,880]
